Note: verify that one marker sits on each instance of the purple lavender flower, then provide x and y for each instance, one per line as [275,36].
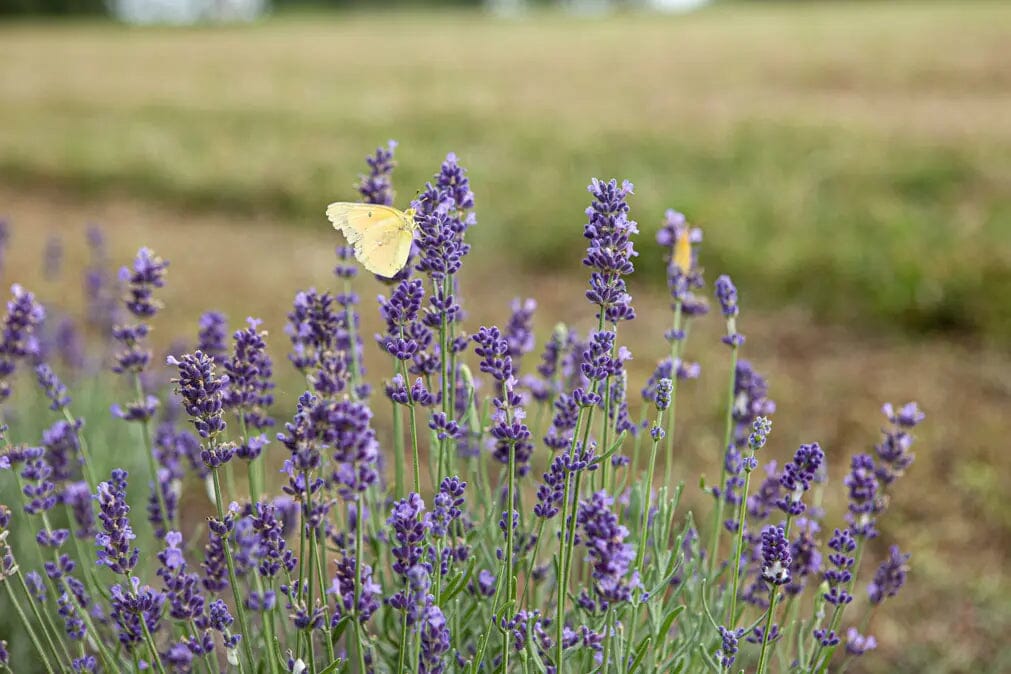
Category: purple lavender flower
[273,550]
[444,213]
[893,452]
[115,540]
[511,434]
[519,331]
[214,565]
[447,505]
[890,576]
[211,336]
[68,344]
[797,477]
[410,524]
[664,370]
[248,393]
[600,360]
[485,586]
[751,400]
[401,315]
[5,656]
[165,483]
[563,423]
[726,293]
[806,556]
[377,186]
[551,492]
[728,646]
[864,501]
[36,587]
[776,558]
[435,641]
[78,498]
[664,389]
[312,326]
[52,257]
[610,250]
[858,644]
[445,427]
[350,432]
[202,393]
[63,451]
[610,556]
[73,624]
[838,577]
[148,273]
[39,489]
[52,387]
[18,340]
[545,385]
[5,240]
[182,589]
[343,588]
[132,605]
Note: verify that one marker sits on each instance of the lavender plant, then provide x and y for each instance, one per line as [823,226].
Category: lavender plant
[532,534]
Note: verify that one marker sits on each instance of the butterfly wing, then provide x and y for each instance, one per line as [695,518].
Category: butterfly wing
[381,235]
[683,252]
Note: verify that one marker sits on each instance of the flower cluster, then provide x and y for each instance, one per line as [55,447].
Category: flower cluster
[534,536]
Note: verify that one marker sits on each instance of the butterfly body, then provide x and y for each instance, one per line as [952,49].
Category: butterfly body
[380,235]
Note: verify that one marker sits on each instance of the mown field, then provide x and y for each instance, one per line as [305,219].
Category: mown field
[851,166]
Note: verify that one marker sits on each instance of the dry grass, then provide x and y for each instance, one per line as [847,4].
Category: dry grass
[829,383]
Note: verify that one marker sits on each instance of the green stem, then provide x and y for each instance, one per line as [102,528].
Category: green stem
[732,616]
[403,645]
[253,465]
[567,535]
[28,626]
[145,430]
[89,471]
[38,615]
[533,562]
[763,656]
[151,646]
[675,354]
[647,499]
[232,578]
[398,452]
[349,318]
[718,521]
[510,587]
[359,551]
[837,613]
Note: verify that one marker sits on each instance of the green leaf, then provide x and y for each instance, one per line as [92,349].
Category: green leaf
[339,628]
[459,582]
[640,653]
[332,667]
[614,448]
[668,620]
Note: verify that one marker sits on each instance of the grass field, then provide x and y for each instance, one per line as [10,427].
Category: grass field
[851,165]
[838,155]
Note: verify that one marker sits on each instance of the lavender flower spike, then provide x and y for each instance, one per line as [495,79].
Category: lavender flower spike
[890,576]
[115,540]
[17,334]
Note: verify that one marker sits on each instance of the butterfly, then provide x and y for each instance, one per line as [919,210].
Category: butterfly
[683,252]
[381,235]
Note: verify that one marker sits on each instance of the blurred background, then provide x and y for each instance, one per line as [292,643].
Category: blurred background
[849,163]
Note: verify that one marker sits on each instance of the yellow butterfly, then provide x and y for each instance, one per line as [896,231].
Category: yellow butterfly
[683,252]
[381,235]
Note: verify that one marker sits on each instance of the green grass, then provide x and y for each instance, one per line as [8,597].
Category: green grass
[850,158]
